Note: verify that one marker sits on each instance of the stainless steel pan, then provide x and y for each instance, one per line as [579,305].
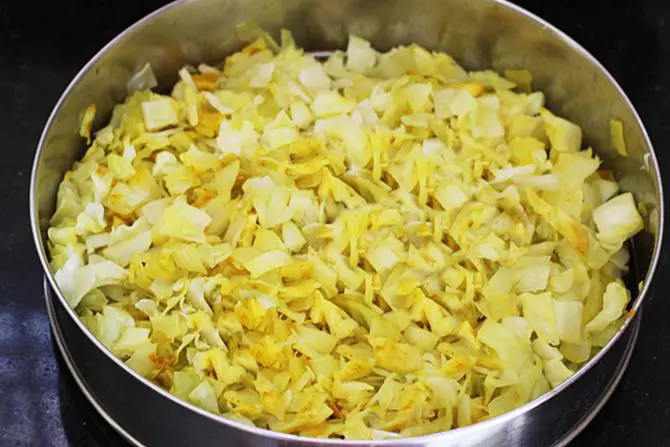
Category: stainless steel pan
[479,34]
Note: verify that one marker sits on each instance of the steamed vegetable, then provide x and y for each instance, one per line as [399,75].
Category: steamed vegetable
[378,245]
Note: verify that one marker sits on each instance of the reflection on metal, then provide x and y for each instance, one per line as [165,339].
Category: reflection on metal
[76,375]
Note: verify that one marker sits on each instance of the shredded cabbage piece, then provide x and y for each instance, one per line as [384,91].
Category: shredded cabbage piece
[617,137]
[379,245]
[87,123]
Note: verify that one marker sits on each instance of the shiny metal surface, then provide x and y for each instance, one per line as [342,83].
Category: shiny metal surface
[478,33]
[546,427]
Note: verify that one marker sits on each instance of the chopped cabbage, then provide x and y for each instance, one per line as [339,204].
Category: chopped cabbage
[564,136]
[183,221]
[617,220]
[87,123]
[617,137]
[380,245]
[361,57]
[539,312]
[159,113]
[615,299]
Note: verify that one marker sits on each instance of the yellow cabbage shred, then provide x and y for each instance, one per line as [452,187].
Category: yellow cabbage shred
[373,246]
[617,137]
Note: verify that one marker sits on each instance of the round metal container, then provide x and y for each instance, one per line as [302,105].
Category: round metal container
[479,34]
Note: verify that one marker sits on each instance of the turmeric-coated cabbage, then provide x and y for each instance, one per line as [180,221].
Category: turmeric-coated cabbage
[373,246]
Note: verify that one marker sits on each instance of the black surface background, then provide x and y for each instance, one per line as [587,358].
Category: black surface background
[41,49]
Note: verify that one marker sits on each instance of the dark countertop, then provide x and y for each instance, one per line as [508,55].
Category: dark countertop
[41,51]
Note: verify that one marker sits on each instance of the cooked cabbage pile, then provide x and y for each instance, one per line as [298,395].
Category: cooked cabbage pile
[377,245]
